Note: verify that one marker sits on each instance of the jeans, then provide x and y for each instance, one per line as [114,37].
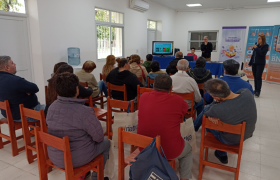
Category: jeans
[199,106]
[257,73]
[36,108]
[217,135]
[103,88]
[198,121]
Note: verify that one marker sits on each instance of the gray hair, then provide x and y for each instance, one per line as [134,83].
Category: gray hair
[183,65]
[217,88]
[4,61]
[205,37]
[163,82]
[179,55]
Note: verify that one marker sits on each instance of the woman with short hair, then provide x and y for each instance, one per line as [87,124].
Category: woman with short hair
[136,68]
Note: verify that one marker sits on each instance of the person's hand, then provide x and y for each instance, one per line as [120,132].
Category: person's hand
[86,87]
[214,120]
[141,61]
[28,94]
[203,51]
[255,46]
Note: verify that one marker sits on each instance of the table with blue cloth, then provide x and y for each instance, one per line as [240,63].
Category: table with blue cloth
[215,67]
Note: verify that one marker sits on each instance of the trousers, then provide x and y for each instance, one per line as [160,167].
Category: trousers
[257,73]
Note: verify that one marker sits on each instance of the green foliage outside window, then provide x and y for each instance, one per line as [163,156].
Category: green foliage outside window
[10,5]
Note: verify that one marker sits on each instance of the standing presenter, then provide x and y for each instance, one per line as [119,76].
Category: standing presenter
[206,48]
[258,61]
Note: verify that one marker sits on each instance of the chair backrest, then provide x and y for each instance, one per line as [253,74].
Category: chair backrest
[112,103]
[46,93]
[141,90]
[112,87]
[89,101]
[150,81]
[6,106]
[201,86]
[140,79]
[43,139]
[85,84]
[186,96]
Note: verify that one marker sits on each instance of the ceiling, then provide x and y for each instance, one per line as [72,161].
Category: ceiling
[215,5]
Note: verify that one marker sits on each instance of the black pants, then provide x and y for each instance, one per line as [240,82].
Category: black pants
[257,73]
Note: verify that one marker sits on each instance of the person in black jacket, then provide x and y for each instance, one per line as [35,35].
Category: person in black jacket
[206,49]
[16,90]
[172,67]
[258,61]
[122,75]
[52,95]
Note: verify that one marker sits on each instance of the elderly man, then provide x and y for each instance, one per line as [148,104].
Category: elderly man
[230,108]
[206,48]
[183,83]
[171,68]
[16,90]
[160,113]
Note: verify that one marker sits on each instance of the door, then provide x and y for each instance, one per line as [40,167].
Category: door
[151,38]
[15,43]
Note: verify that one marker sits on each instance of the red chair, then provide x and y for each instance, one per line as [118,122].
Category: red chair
[209,141]
[112,87]
[150,81]
[141,90]
[43,139]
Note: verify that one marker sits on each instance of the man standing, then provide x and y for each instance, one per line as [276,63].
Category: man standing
[171,68]
[16,90]
[206,49]
[161,113]
[230,108]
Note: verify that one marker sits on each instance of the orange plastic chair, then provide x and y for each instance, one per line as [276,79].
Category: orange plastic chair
[13,126]
[209,141]
[188,96]
[134,140]
[112,87]
[150,81]
[43,139]
[38,115]
[201,87]
[111,103]
[141,90]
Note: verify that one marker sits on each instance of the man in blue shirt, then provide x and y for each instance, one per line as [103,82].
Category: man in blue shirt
[234,81]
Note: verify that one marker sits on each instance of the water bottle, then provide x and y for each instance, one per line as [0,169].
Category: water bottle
[74,56]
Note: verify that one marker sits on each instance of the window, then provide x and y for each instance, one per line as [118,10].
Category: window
[196,39]
[151,24]
[17,6]
[109,31]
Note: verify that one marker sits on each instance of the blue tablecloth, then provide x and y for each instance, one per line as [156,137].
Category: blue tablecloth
[215,67]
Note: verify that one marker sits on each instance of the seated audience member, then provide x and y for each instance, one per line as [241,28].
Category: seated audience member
[147,63]
[52,95]
[137,69]
[193,54]
[232,78]
[16,90]
[155,71]
[107,68]
[171,68]
[69,117]
[183,83]
[199,73]
[166,122]
[57,66]
[85,75]
[230,108]
[122,75]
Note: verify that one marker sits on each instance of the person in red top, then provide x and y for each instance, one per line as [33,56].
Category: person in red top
[161,113]
[193,54]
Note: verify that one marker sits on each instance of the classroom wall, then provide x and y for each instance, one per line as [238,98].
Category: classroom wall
[186,21]
[71,23]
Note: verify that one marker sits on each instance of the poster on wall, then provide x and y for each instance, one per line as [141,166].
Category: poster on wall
[273,71]
[253,35]
[233,39]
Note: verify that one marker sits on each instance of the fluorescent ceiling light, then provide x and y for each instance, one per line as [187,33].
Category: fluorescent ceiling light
[273,1]
[194,5]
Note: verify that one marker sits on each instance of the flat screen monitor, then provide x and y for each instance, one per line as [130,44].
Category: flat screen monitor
[163,48]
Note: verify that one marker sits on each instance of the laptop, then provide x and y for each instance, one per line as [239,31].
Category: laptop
[189,58]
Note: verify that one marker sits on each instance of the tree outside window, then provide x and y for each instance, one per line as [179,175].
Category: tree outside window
[17,6]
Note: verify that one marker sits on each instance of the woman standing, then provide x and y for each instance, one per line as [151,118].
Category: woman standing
[258,61]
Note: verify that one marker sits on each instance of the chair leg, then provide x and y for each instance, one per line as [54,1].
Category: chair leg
[27,142]
[201,163]
[238,167]
[1,140]
[14,145]
[102,103]
[100,169]
[206,154]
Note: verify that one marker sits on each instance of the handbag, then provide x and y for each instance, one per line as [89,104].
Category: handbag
[188,133]
[151,165]
[143,74]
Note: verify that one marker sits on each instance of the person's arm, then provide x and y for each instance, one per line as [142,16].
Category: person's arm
[195,57]
[251,60]
[208,98]
[26,86]
[202,47]
[211,112]
[84,92]
[197,95]
[93,126]
[262,51]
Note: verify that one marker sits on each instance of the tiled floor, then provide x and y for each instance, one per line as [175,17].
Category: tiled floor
[260,160]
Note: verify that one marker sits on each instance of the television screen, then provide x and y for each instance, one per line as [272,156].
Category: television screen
[162,47]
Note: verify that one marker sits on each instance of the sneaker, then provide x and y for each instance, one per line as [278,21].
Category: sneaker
[223,159]
[257,94]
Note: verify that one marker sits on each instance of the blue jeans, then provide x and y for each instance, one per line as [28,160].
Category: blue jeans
[103,88]
[198,121]
[199,106]
[217,135]
[36,108]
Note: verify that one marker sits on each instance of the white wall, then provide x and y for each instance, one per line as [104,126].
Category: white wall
[216,20]
[71,23]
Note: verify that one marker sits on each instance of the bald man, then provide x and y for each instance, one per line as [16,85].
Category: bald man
[206,49]
[171,68]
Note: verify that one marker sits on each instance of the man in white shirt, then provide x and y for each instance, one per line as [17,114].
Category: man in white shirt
[183,83]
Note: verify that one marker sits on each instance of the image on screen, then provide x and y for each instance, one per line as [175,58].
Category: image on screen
[163,48]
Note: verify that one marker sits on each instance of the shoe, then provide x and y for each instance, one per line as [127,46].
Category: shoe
[257,94]
[223,159]
[106,178]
